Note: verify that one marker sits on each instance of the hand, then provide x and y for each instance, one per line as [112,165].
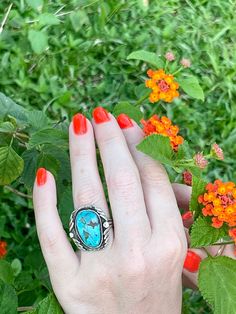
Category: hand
[194,256]
[140,269]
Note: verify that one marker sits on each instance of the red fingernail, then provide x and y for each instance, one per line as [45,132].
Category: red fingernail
[41,176]
[192,262]
[79,124]
[187,215]
[124,121]
[100,115]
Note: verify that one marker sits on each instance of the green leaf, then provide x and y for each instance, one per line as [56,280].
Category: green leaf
[11,165]
[158,147]
[37,119]
[148,57]
[38,41]
[48,19]
[78,19]
[16,266]
[49,136]
[9,107]
[48,162]
[8,299]
[191,87]
[125,107]
[198,188]
[216,280]
[203,234]
[65,205]
[7,127]
[35,4]
[49,305]
[6,272]
[30,158]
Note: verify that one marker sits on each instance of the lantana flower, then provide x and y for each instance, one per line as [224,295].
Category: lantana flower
[163,126]
[217,151]
[163,86]
[187,177]
[3,248]
[219,202]
[200,160]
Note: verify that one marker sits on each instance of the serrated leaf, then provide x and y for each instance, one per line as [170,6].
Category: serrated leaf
[11,165]
[125,107]
[146,56]
[158,147]
[6,272]
[216,280]
[48,19]
[38,41]
[203,234]
[35,4]
[198,188]
[78,19]
[37,119]
[48,162]
[8,299]
[9,107]
[49,136]
[49,305]
[30,158]
[191,87]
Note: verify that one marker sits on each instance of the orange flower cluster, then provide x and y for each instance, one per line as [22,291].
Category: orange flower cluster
[163,86]
[3,248]
[220,202]
[163,126]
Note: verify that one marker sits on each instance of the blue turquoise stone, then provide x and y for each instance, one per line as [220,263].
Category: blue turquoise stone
[89,228]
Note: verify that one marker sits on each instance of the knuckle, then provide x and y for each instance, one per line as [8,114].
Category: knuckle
[87,193]
[110,138]
[124,179]
[48,239]
[154,173]
[135,268]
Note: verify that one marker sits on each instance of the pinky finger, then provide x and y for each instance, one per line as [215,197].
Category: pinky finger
[60,257]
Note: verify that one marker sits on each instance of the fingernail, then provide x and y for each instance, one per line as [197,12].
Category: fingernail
[100,115]
[187,215]
[79,124]
[192,262]
[124,121]
[41,176]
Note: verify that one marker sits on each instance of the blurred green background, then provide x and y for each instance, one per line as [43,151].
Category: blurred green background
[66,56]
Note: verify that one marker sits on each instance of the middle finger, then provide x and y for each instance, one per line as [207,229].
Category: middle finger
[123,181]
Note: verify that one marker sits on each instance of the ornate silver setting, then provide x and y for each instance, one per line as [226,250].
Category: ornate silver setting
[105,223]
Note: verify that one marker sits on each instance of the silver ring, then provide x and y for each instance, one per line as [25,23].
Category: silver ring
[221,249]
[89,228]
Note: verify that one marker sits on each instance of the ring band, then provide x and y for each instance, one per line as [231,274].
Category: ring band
[89,228]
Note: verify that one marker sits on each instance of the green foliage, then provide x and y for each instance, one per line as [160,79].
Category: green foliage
[49,305]
[148,57]
[203,234]
[8,298]
[198,188]
[38,41]
[191,87]
[125,107]
[11,165]
[217,283]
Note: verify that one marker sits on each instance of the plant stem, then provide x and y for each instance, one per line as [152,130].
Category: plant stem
[17,192]
[224,243]
[208,254]
[177,71]
[25,308]
[141,100]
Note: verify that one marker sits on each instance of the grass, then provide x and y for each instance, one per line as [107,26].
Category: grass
[85,65]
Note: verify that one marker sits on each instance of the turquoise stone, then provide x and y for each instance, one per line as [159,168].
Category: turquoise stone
[88,226]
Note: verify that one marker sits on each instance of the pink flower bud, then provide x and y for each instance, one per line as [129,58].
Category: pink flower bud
[185,63]
[217,151]
[200,160]
[187,177]
[170,56]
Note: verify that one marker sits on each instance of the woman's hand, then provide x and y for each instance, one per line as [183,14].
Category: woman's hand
[140,270]
[194,256]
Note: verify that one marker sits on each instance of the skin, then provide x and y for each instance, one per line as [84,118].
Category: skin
[140,271]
